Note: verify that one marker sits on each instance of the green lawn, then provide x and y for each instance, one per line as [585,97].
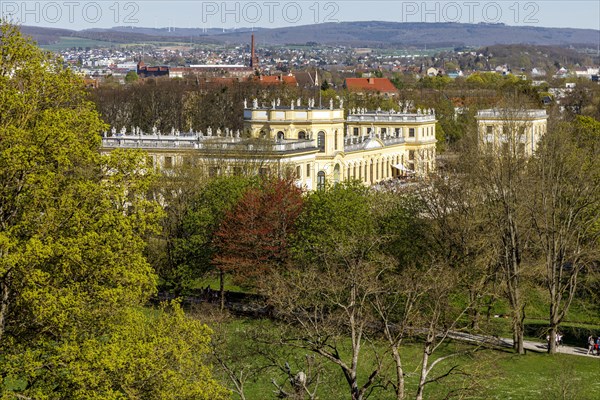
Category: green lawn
[487,374]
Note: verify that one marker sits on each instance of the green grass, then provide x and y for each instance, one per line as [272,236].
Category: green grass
[487,374]
[542,376]
[67,42]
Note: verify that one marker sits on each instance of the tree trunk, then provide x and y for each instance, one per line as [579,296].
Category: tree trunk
[554,321]
[424,364]
[512,269]
[474,310]
[399,374]
[518,333]
[222,288]
[5,291]
[552,340]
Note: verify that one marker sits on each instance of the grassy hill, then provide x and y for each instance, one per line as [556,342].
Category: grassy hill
[361,34]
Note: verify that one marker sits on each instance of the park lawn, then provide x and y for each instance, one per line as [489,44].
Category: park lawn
[486,374]
[544,376]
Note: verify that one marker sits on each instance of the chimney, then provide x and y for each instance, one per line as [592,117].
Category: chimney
[253,60]
[371,81]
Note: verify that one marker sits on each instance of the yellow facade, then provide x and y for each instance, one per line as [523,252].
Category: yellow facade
[521,128]
[316,145]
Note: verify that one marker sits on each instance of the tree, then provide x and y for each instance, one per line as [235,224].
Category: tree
[363,270]
[253,238]
[328,289]
[131,77]
[564,205]
[438,259]
[499,174]
[72,272]
[183,250]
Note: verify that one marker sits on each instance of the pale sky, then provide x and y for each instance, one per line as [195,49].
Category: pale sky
[78,14]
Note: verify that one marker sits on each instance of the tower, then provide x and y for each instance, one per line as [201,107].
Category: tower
[253,58]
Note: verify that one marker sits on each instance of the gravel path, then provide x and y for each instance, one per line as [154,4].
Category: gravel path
[530,345]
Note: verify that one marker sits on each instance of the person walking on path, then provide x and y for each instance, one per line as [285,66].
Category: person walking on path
[598,346]
[590,344]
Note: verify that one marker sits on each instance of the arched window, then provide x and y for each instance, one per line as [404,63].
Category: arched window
[321,180]
[336,173]
[280,135]
[302,135]
[321,141]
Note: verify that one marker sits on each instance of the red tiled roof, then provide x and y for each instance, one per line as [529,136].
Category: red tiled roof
[276,79]
[382,85]
[290,80]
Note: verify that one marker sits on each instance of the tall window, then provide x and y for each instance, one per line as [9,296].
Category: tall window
[321,141]
[335,140]
[301,135]
[411,132]
[280,135]
[321,180]
[308,170]
[168,162]
[336,173]
[355,131]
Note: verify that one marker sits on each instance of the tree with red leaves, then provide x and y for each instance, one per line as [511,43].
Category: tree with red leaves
[253,237]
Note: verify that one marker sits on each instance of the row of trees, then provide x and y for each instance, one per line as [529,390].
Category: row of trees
[186,104]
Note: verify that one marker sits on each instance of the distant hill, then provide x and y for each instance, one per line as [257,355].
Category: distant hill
[45,36]
[527,56]
[361,34]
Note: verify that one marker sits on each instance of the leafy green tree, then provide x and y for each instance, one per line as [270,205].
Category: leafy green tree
[131,77]
[72,271]
[182,252]
[194,250]
[174,191]
[334,278]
